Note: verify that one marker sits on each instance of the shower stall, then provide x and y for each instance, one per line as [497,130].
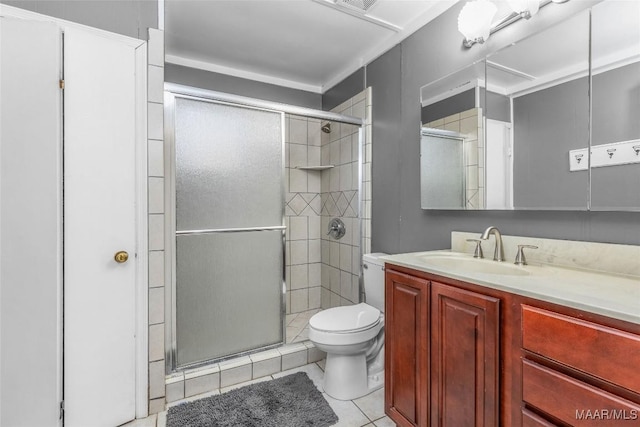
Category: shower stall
[248,191]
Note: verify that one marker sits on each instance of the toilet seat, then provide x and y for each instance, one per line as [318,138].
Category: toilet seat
[346,319]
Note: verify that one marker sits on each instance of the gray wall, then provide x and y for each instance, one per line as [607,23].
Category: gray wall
[616,117]
[128,17]
[454,104]
[547,124]
[347,88]
[550,122]
[238,86]
[398,222]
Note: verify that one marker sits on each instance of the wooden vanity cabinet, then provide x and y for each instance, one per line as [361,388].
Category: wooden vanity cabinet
[464,357]
[579,372]
[442,353]
[406,348]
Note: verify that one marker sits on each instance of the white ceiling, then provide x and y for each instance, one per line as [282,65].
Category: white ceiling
[303,44]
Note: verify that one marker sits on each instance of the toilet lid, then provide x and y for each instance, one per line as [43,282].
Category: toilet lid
[345,319]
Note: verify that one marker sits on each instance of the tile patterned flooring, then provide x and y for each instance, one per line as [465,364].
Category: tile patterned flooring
[367,411]
[298,325]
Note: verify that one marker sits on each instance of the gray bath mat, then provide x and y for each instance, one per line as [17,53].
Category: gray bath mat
[291,401]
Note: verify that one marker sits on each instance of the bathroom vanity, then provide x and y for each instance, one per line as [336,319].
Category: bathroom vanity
[481,343]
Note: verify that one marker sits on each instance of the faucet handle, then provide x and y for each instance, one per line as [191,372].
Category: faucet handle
[520,259]
[478,252]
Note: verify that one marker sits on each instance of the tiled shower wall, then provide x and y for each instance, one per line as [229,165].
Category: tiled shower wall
[156,173]
[341,259]
[323,272]
[469,124]
[302,214]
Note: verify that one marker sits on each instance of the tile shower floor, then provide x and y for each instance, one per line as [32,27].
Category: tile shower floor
[298,325]
[367,411]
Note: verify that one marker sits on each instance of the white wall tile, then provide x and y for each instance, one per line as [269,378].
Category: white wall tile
[315,252]
[156,232]
[299,277]
[345,150]
[156,379]
[299,300]
[314,182]
[267,367]
[157,406]
[175,391]
[156,195]
[345,257]
[297,181]
[314,133]
[314,227]
[315,296]
[293,360]
[156,342]
[156,269]
[299,252]
[155,129]
[299,227]
[155,84]
[201,384]
[156,47]
[298,131]
[156,158]
[156,305]
[235,375]
[297,155]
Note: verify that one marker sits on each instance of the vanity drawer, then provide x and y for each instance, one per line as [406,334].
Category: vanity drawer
[529,419]
[572,401]
[610,354]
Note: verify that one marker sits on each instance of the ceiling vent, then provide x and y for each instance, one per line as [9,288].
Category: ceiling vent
[361,6]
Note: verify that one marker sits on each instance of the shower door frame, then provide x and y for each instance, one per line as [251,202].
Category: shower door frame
[173,91]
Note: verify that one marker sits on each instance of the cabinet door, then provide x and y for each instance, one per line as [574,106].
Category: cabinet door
[464,357]
[407,349]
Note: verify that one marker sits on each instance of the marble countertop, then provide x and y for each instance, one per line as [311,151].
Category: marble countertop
[607,294]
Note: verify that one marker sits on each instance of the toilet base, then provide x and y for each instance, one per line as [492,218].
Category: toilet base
[348,377]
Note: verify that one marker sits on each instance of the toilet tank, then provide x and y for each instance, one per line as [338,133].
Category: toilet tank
[373,277]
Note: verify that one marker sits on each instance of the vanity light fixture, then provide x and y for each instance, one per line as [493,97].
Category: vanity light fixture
[525,8]
[474,20]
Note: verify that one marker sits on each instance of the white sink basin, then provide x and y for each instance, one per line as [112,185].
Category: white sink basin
[461,264]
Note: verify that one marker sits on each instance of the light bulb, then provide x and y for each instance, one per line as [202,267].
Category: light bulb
[474,20]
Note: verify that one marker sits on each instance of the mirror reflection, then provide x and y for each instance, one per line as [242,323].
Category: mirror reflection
[451,141]
[543,148]
[615,140]
[545,80]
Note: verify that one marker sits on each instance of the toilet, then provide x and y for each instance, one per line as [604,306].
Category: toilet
[353,338]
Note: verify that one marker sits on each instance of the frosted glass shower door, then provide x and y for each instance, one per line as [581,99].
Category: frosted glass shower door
[229,229]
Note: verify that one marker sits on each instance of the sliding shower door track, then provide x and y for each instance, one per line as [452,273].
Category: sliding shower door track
[229,230]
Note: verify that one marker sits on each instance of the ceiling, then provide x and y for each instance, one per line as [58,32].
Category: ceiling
[303,44]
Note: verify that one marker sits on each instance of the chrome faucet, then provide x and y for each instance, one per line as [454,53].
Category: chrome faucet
[498,254]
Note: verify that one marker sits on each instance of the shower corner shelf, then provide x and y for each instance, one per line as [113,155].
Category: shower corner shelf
[315,168]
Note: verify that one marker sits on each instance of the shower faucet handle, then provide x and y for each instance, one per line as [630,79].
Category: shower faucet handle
[478,251]
[336,228]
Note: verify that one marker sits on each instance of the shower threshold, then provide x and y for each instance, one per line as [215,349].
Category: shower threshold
[215,376]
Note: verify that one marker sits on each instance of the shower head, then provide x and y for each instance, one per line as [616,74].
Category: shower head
[326,128]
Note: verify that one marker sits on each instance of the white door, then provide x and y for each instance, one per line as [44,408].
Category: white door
[499,165]
[30,223]
[100,220]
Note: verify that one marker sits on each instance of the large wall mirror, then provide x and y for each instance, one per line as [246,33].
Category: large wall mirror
[535,124]
[615,137]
